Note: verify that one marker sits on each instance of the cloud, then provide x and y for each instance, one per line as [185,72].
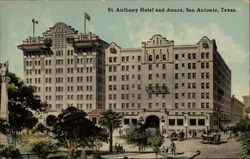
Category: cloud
[141,31]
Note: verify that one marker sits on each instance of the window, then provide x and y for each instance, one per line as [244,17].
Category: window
[171,121]
[194,65]
[179,121]
[176,66]
[139,67]
[176,56]
[207,85]
[176,95]
[150,76]
[176,85]
[207,75]
[192,122]
[176,105]
[149,105]
[202,55]
[164,57]
[157,57]
[150,58]
[149,67]
[139,58]
[207,105]
[207,55]
[207,65]
[202,65]
[126,121]
[194,56]
[189,56]
[201,121]
[202,105]
[164,76]
[176,75]
[163,66]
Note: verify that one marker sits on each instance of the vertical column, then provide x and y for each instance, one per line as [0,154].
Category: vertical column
[4,99]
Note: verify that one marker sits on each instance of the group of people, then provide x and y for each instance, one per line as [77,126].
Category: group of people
[118,147]
[172,148]
[193,133]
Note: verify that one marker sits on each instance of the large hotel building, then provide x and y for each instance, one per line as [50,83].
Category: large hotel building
[173,87]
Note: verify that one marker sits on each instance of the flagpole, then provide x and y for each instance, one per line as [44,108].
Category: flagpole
[85,23]
[33,30]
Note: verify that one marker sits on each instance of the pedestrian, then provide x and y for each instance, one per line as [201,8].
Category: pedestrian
[120,132]
[195,134]
[190,132]
[173,148]
[163,149]
[167,148]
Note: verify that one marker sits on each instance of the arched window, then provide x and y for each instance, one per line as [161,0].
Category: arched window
[164,57]
[110,59]
[157,57]
[202,55]
[150,58]
[207,55]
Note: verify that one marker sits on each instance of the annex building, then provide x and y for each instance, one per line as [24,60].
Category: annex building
[173,87]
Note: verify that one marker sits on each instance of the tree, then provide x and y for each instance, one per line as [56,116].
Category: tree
[51,120]
[22,102]
[247,110]
[39,142]
[243,126]
[41,128]
[111,121]
[138,136]
[155,140]
[44,148]
[74,130]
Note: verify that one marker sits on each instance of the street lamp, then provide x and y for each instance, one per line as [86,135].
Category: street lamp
[186,129]
[207,125]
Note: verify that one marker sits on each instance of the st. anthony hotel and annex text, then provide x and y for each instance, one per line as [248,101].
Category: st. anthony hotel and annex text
[172,87]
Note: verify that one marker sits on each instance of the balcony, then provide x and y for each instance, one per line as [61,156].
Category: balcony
[36,46]
[86,42]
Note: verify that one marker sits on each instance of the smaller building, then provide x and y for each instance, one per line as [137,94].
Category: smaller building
[238,110]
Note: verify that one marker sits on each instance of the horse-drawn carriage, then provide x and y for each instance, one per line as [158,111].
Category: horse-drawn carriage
[175,136]
[215,139]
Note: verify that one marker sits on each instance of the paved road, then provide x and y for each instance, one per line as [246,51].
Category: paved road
[187,148]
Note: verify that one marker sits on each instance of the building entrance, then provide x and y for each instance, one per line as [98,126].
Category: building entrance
[152,121]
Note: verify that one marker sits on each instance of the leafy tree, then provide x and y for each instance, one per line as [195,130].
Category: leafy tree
[111,121]
[9,152]
[74,130]
[155,140]
[41,128]
[44,148]
[247,110]
[138,136]
[51,120]
[243,126]
[22,102]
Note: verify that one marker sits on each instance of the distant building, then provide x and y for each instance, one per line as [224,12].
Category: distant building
[173,87]
[237,110]
[246,100]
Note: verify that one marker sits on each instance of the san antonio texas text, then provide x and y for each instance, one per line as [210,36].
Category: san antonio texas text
[188,10]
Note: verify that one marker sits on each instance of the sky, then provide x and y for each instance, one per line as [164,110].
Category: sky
[129,29]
